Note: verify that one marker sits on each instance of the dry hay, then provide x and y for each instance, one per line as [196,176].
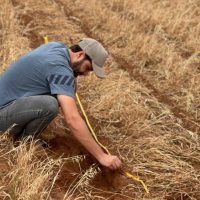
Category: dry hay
[161,45]
[12,42]
[149,139]
[146,135]
[27,172]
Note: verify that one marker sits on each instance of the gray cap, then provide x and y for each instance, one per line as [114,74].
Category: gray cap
[96,52]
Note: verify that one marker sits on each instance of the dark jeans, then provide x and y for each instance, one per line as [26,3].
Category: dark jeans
[28,116]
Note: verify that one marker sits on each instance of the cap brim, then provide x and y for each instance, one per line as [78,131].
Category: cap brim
[98,71]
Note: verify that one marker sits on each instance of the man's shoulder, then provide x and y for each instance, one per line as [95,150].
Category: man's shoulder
[55,44]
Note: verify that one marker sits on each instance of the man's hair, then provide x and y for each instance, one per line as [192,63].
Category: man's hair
[76,48]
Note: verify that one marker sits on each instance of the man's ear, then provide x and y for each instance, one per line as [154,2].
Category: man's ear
[80,54]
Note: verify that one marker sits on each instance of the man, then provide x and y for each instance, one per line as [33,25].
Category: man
[32,88]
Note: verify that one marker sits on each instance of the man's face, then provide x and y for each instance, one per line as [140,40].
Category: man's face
[82,67]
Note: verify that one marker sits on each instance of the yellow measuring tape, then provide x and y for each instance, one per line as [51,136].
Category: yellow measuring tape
[127,174]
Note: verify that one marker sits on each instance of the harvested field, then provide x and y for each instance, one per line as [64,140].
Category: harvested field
[146,111]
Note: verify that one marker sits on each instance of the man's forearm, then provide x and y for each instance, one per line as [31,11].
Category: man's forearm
[82,134]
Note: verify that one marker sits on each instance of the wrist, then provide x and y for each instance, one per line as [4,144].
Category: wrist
[101,156]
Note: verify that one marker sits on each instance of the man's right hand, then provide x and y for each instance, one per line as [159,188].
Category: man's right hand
[110,161]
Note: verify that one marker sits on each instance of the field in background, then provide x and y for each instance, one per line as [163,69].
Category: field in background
[146,111]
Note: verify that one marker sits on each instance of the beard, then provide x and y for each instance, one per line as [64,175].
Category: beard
[76,67]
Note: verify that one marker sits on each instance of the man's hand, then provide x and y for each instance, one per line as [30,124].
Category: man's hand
[110,161]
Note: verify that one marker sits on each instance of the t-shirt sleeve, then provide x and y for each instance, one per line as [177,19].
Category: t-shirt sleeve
[63,84]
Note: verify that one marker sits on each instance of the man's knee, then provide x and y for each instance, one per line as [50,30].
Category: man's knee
[51,106]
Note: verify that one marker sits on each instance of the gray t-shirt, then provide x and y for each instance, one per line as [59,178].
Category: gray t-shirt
[44,70]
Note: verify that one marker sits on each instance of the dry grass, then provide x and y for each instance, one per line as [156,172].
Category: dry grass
[163,46]
[82,184]
[156,40]
[12,42]
[149,139]
[30,173]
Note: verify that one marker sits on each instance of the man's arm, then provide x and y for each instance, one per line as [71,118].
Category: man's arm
[80,131]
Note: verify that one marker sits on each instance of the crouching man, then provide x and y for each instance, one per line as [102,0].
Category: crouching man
[33,88]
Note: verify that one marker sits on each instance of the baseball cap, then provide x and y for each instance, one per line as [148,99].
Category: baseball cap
[97,54]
